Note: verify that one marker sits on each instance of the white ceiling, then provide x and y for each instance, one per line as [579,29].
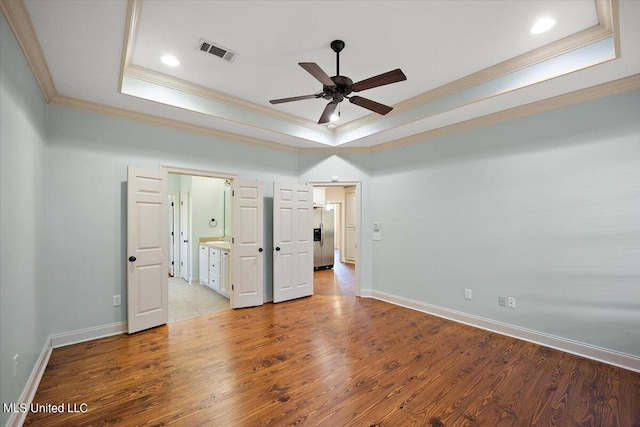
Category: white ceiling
[433,42]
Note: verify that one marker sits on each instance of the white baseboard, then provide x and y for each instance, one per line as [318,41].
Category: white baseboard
[55,341]
[611,357]
[366,293]
[88,334]
[17,418]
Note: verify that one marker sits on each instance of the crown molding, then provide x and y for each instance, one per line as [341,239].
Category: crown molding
[160,79]
[615,87]
[65,101]
[608,24]
[134,9]
[20,23]
[336,150]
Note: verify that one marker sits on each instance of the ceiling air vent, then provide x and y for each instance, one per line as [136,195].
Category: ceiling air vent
[216,50]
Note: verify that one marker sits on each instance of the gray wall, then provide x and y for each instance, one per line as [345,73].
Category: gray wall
[545,209]
[88,158]
[23,290]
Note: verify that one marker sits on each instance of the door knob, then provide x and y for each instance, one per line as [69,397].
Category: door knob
[260,250]
[132,258]
[277,248]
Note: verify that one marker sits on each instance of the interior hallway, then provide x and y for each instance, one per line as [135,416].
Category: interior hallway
[341,280]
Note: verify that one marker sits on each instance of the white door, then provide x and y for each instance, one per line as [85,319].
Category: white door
[184,236]
[147,245]
[292,241]
[247,245]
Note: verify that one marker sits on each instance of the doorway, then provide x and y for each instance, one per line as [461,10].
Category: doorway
[202,215]
[342,201]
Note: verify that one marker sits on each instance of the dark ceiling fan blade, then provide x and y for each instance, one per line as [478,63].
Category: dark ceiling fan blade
[327,113]
[380,80]
[315,70]
[294,98]
[374,106]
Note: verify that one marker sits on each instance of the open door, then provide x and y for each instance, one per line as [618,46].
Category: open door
[293,241]
[247,249]
[147,265]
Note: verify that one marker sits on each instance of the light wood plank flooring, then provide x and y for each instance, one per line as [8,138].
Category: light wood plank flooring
[341,280]
[331,360]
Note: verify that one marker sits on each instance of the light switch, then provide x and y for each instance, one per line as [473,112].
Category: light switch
[376,236]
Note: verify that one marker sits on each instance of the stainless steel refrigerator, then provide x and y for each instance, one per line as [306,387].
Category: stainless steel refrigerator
[322,238]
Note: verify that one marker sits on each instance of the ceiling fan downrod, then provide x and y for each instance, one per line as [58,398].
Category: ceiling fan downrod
[337,46]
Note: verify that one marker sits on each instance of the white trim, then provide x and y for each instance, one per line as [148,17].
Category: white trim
[18,418]
[197,172]
[367,293]
[611,357]
[88,334]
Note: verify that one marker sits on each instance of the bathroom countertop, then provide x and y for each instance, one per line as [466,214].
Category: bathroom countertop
[219,245]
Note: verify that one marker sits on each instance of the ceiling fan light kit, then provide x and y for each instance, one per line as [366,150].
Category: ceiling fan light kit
[335,89]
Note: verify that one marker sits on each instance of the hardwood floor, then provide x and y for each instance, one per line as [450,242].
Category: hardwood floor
[341,280]
[330,360]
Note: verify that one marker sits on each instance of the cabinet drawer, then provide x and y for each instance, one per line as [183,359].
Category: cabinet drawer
[214,253]
[214,282]
[214,268]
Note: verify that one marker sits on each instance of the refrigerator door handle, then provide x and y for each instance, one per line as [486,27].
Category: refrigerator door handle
[321,234]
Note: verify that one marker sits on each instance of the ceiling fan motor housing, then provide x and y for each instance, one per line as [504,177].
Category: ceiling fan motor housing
[342,88]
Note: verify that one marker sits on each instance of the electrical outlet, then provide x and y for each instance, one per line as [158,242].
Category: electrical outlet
[511,302]
[502,301]
[15,366]
[467,294]
[117,301]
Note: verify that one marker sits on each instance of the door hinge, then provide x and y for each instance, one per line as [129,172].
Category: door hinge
[172,263]
[171,203]
[232,288]
[233,240]
[233,193]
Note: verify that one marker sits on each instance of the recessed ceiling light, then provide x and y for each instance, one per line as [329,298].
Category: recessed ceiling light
[331,126]
[542,25]
[170,60]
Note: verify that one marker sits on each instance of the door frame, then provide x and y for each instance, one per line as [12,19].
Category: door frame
[185,227]
[358,215]
[174,248]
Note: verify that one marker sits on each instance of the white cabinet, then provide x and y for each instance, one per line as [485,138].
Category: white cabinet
[216,263]
[319,196]
[214,269]
[203,265]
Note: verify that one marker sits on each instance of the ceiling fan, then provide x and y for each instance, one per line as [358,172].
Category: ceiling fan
[335,89]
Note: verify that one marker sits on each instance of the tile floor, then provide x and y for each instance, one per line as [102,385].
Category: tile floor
[190,300]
